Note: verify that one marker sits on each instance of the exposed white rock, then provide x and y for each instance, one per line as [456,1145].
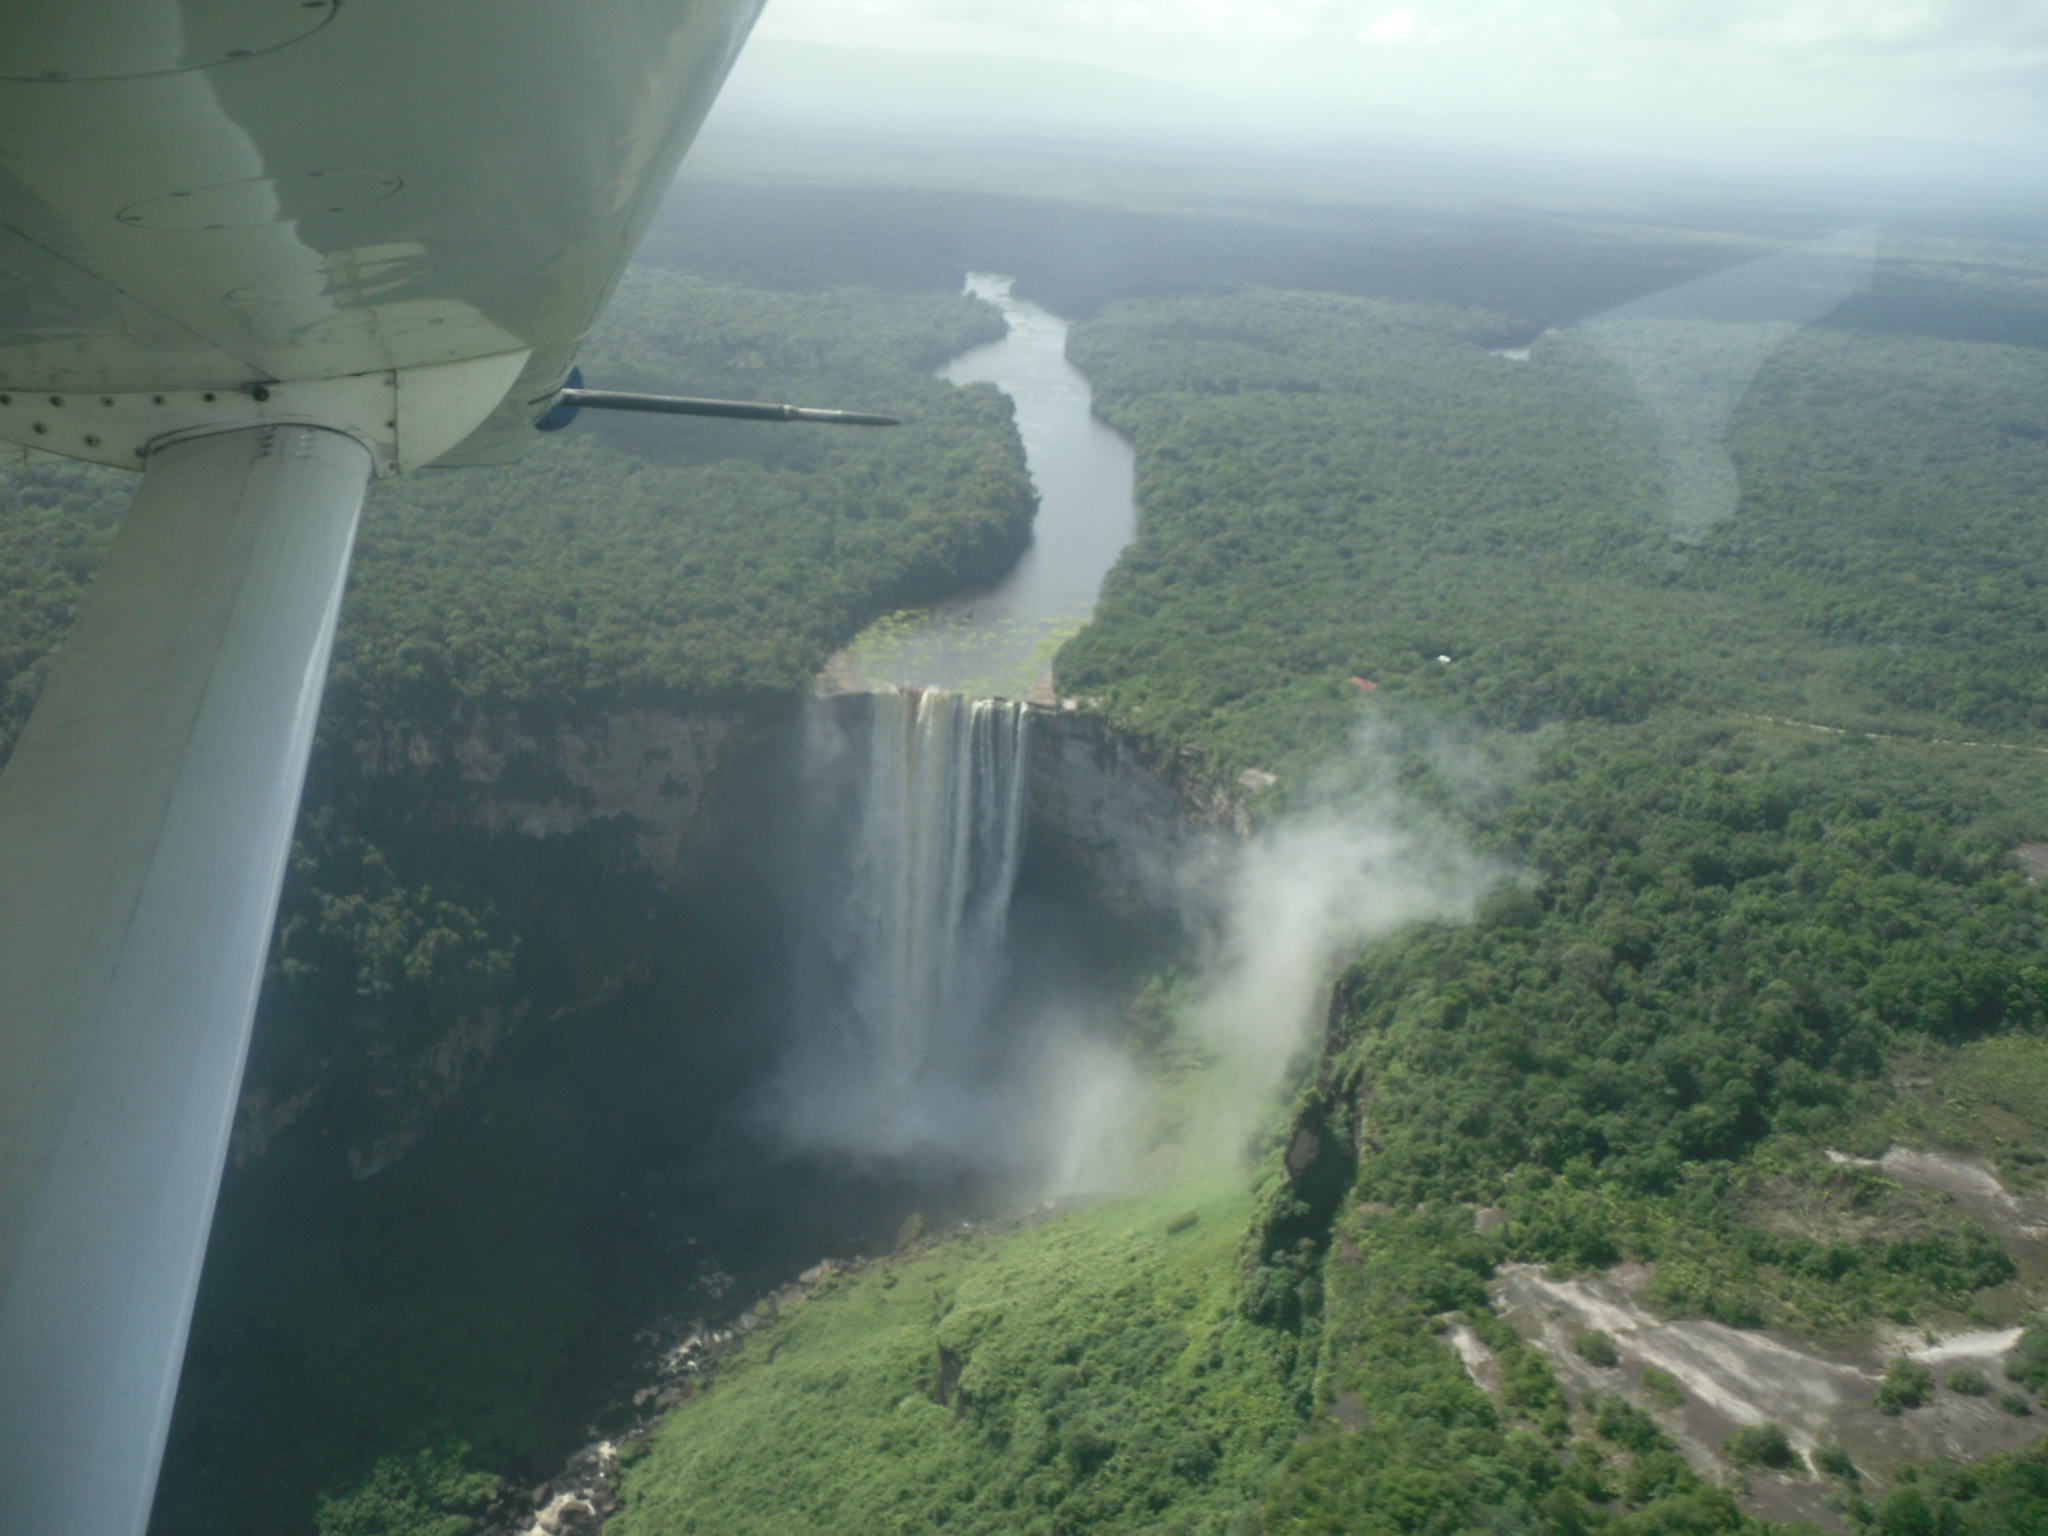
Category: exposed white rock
[1480,1363]
[1970,1179]
[261,1117]
[1980,1347]
[1733,1377]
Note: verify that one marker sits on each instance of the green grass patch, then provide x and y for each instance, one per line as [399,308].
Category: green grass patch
[1907,1384]
[1761,1445]
[1092,1373]
[1663,1387]
[1597,1348]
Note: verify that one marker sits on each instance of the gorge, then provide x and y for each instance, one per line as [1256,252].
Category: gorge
[758,999]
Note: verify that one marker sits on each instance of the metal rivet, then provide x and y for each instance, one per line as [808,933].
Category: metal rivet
[106,399]
[207,397]
[56,400]
[259,393]
[157,399]
[91,441]
[41,428]
[142,453]
[6,399]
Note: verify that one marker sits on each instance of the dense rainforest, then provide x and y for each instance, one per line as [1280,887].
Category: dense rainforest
[1729,933]
[697,560]
[1752,795]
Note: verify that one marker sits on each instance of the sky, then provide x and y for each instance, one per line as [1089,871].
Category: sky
[1743,74]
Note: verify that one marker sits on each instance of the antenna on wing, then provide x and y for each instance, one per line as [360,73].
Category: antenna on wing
[573,398]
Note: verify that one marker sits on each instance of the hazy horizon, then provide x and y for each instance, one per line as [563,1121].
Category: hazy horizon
[1942,89]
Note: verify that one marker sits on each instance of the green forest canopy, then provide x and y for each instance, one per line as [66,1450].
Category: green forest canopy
[707,561]
[699,563]
[1729,929]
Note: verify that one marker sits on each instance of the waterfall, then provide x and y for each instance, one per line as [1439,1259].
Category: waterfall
[919,796]
[935,857]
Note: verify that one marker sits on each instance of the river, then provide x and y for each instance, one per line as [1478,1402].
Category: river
[1000,641]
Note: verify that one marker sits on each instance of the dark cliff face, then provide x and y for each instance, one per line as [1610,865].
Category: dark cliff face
[1100,803]
[455,892]
[518,973]
[1140,840]
[495,1120]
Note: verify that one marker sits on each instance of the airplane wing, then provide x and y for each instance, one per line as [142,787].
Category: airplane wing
[262,251]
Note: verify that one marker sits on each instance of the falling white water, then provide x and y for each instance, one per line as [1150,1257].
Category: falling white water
[888,1055]
[934,864]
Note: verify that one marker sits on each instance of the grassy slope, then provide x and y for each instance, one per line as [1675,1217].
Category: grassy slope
[1732,931]
[1335,487]
[1107,1381]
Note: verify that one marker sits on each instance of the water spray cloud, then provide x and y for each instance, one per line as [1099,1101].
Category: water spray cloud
[1308,893]
[906,1056]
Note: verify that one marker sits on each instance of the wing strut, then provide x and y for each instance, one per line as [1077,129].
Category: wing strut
[572,399]
[145,819]
[734,410]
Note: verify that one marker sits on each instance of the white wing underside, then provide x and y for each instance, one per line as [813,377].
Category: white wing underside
[220,194]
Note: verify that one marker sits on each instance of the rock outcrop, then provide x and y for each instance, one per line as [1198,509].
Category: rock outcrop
[1146,835]
[662,768]
[679,803]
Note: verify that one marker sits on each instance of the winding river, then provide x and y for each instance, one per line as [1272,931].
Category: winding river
[1000,641]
